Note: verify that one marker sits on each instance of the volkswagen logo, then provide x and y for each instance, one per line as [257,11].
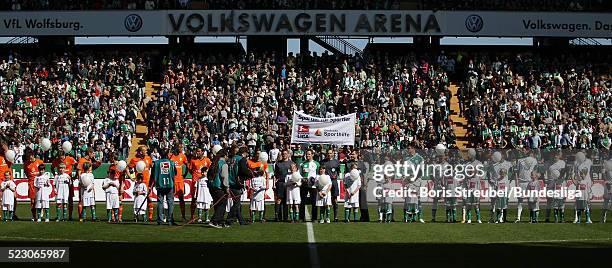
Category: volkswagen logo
[133,23]
[474,23]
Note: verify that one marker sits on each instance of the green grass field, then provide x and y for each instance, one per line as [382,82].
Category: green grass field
[368,240]
[273,232]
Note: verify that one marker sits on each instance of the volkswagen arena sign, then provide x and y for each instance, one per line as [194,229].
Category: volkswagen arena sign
[306,22]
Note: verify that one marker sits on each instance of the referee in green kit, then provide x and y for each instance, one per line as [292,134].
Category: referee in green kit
[163,177]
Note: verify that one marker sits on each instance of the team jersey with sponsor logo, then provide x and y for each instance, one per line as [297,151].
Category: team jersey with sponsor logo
[585,188]
[32,170]
[309,171]
[179,160]
[503,184]
[8,191]
[164,172]
[557,166]
[5,166]
[112,185]
[196,165]
[146,173]
[525,167]
[533,186]
[68,161]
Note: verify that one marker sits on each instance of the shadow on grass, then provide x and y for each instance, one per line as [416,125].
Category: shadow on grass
[331,254]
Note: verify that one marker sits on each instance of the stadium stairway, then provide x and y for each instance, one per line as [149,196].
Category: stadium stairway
[141,125]
[460,124]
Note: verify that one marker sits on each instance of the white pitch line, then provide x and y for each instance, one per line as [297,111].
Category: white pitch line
[60,239]
[312,243]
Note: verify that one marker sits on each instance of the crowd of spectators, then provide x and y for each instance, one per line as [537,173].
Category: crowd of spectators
[250,98]
[539,100]
[89,100]
[524,5]
[197,4]
[530,99]
[511,100]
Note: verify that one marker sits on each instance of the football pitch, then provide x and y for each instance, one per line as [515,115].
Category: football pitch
[326,244]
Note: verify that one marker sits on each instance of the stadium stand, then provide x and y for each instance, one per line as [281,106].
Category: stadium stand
[538,99]
[195,4]
[524,5]
[522,98]
[250,97]
[89,98]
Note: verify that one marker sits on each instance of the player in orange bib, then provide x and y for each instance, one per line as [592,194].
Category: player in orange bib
[141,155]
[256,164]
[31,171]
[179,160]
[69,162]
[195,169]
[94,164]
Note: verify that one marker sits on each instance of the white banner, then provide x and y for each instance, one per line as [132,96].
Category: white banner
[335,130]
[306,22]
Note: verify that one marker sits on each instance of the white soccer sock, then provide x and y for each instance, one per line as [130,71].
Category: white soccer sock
[575,215]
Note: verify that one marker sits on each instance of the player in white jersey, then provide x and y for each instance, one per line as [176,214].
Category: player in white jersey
[352,184]
[293,181]
[414,159]
[582,180]
[384,211]
[607,197]
[203,197]
[501,202]
[111,188]
[88,193]
[497,166]
[558,203]
[451,183]
[43,188]
[472,183]
[63,185]
[582,202]
[140,198]
[552,180]
[525,166]
[533,200]
[258,186]
[385,203]
[438,182]
[8,188]
[324,196]
[411,201]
